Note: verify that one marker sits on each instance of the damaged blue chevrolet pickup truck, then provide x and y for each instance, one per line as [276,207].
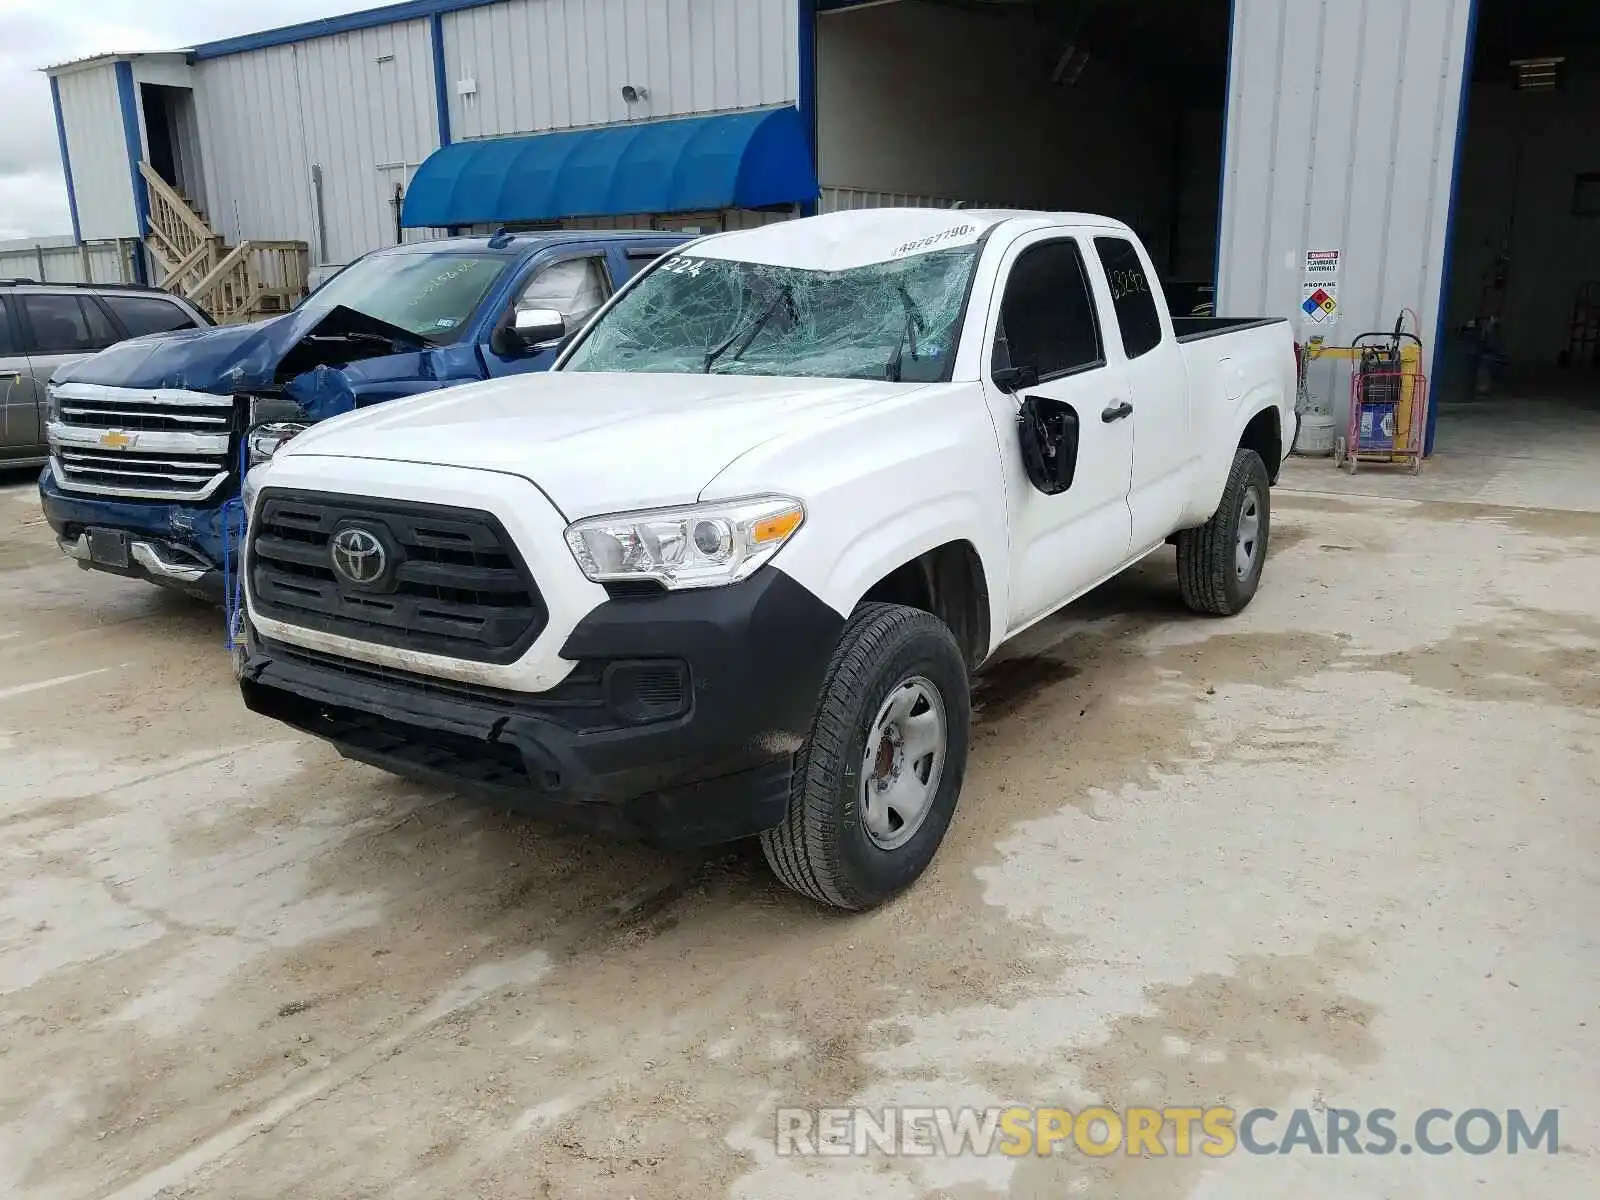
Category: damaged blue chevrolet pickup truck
[148,439]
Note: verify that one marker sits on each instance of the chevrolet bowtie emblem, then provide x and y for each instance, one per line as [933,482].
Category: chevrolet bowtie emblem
[115,439]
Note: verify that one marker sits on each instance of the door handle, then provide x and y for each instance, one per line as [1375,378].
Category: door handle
[1117,412]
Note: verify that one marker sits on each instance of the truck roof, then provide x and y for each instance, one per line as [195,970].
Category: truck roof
[522,243]
[859,237]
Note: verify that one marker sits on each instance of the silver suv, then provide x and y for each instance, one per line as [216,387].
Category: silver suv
[46,325]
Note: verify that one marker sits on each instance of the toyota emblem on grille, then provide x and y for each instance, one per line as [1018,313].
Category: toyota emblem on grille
[358,555]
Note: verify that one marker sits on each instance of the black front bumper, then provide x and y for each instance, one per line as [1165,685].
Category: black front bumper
[678,725]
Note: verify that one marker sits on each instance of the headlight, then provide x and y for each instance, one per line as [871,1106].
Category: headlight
[252,485]
[704,545]
[272,421]
[52,404]
[266,440]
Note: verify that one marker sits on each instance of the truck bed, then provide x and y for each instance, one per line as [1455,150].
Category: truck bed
[1196,329]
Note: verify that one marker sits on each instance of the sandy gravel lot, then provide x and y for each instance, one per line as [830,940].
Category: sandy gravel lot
[1342,850]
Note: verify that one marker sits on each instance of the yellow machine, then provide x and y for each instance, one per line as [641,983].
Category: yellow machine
[1388,398]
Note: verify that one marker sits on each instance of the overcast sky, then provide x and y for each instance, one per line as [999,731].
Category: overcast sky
[37,33]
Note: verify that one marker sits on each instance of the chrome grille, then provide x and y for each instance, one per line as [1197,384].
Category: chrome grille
[141,444]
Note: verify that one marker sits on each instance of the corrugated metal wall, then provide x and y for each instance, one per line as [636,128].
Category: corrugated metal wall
[840,199]
[359,105]
[367,101]
[1341,135]
[58,260]
[101,182]
[252,144]
[559,64]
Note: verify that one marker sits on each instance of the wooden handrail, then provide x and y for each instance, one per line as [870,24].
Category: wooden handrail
[230,260]
[253,279]
[195,264]
[169,198]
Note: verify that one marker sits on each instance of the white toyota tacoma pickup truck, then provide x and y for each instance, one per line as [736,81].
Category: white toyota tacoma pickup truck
[727,569]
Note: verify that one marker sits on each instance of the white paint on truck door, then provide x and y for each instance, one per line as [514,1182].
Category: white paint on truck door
[1044,318]
[1139,333]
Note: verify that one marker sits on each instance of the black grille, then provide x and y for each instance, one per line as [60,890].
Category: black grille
[454,584]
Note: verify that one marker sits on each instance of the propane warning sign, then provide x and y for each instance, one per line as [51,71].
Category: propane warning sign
[1319,290]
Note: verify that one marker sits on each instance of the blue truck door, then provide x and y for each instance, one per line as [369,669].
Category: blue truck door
[574,280]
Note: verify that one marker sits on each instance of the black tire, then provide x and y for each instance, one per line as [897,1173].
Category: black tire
[822,848]
[1208,575]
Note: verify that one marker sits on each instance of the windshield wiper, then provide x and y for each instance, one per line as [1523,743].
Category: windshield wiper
[913,326]
[748,334]
[373,339]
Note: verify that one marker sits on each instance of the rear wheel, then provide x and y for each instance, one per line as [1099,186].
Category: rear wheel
[1220,563]
[876,783]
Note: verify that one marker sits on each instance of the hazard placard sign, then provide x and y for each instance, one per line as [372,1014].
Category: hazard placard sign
[1319,289]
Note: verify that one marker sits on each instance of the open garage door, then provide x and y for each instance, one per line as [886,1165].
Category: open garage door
[1521,362]
[1075,105]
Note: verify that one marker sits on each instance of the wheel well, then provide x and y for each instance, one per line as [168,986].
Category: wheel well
[949,583]
[1265,436]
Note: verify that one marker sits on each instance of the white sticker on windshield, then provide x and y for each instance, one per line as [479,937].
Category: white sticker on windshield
[445,323]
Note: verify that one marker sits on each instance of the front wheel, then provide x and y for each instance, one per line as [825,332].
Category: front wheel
[1220,563]
[877,781]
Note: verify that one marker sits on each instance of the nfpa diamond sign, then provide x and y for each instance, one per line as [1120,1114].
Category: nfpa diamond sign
[1320,289]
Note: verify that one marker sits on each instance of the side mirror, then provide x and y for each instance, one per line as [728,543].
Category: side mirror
[1013,379]
[1048,430]
[539,328]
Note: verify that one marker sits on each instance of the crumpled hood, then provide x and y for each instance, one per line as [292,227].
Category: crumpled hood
[595,443]
[223,360]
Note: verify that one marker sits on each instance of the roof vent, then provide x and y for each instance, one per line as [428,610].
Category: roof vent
[1537,74]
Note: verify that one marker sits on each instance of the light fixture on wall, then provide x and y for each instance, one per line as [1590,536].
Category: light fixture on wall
[1537,74]
[632,95]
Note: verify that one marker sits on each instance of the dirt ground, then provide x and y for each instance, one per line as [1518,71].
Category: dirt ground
[1341,850]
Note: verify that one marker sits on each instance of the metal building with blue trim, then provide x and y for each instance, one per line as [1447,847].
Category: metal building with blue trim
[1235,135]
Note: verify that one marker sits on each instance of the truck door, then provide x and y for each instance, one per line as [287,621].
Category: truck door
[1058,407]
[1165,448]
[574,282]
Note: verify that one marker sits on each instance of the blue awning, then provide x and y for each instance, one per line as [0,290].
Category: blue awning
[692,164]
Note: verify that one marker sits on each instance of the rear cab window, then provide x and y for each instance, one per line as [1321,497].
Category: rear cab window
[1048,321]
[1131,295]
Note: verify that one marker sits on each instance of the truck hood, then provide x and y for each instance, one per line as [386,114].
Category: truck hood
[594,442]
[228,359]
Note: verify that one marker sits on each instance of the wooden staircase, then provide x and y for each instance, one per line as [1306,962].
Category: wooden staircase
[235,284]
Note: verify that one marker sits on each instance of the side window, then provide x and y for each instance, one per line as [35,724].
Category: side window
[1047,317]
[10,343]
[60,325]
[574,288]
[641,258]
[148,314]
[1130,295]
[101,329]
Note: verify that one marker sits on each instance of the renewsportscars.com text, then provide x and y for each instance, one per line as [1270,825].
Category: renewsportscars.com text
[1161,1132]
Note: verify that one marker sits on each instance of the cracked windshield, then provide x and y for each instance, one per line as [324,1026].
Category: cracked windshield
[893,320]
[430,295]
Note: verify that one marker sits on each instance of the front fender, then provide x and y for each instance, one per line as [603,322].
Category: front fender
[883,484]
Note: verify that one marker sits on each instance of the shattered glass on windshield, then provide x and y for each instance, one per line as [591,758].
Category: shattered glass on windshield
[893,320]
